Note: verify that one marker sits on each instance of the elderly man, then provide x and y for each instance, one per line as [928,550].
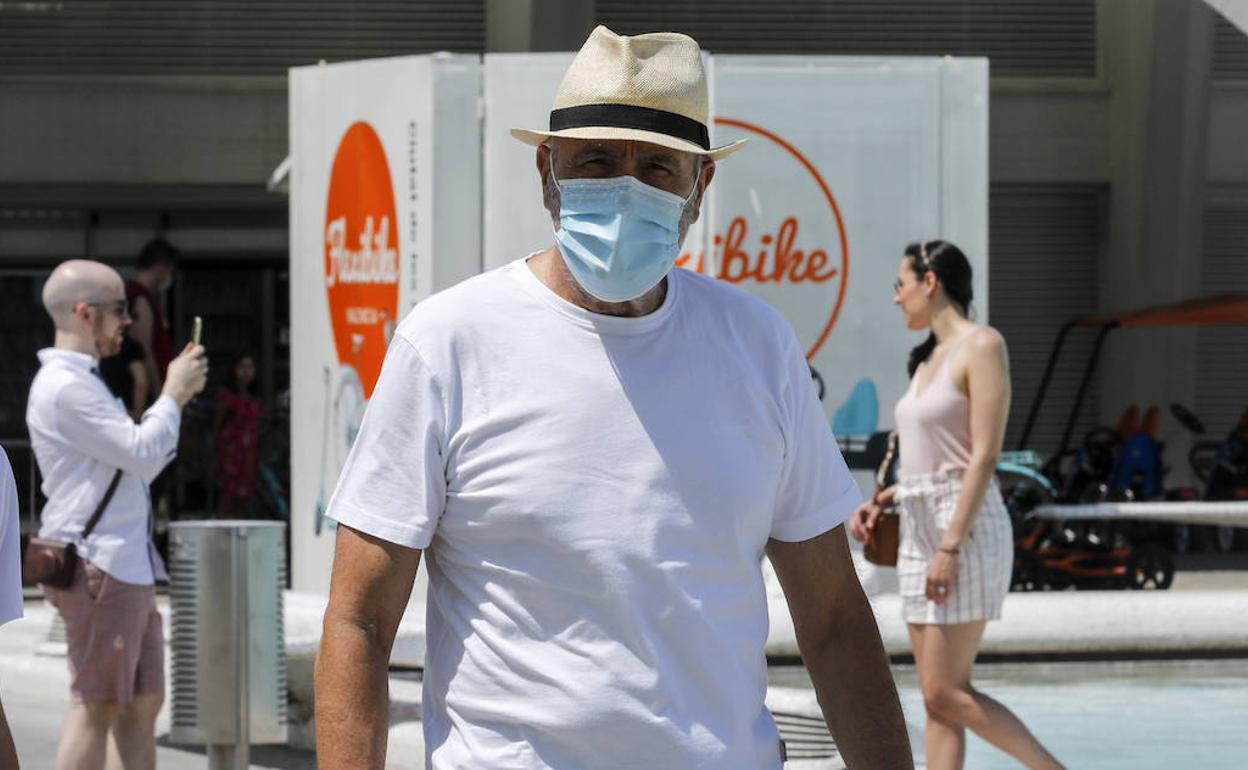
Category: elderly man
[94,457]
[594,452]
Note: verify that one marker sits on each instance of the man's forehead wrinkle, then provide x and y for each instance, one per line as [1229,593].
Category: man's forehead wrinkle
[618,148]
[590,147]
[665,157]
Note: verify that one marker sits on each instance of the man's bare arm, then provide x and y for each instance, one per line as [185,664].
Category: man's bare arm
[840,644]
[8,751]
[369,589]
[139,390]
[142,329]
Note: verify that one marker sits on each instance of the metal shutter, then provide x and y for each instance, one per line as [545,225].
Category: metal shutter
[1222,353]
[1045,247]
[1230,51]
[226,37]
[1024,38]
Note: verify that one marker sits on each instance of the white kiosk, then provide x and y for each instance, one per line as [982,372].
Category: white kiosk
[404,180]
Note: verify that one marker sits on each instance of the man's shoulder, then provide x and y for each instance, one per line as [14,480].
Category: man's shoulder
[47,387]
[731,305]
[136,291]
[51,375]
[460,310]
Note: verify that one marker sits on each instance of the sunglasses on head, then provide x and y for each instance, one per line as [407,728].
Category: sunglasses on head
[120,307]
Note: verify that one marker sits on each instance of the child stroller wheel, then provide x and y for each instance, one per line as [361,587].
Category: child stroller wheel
[1182,538]
[1224,539]
[1026,572]
[1150,568]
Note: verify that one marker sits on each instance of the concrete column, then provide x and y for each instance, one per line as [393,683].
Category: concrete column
[537,25]
[1156,56]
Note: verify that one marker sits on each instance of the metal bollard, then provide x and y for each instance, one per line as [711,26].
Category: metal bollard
[228,644]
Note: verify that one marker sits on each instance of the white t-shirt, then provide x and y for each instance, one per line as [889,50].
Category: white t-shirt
[10,556]
[594,494]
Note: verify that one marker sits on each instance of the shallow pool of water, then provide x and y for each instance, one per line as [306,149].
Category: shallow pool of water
[1137,715]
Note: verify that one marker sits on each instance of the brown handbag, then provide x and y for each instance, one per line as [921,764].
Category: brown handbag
[54,562]
[883,541]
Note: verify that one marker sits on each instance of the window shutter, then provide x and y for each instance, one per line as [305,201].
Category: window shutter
[1045,246]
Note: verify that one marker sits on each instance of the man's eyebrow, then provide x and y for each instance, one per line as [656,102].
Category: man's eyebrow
[664,157]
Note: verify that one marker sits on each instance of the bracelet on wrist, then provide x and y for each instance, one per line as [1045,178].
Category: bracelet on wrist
[946,549]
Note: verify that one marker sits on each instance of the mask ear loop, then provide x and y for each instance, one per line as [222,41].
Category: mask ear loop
[697,177]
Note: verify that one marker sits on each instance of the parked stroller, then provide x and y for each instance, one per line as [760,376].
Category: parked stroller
[1052,555]
[1222,468]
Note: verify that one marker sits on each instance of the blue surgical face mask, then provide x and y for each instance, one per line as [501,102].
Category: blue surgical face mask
[619,237]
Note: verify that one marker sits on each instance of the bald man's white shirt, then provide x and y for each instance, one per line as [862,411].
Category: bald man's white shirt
[81,434]
[10,556]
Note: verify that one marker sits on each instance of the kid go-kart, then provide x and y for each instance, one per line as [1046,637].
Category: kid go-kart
[1052,555]
[1114,465]
[1221,467]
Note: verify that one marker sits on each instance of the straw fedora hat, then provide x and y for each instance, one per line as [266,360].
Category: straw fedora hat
[647,88]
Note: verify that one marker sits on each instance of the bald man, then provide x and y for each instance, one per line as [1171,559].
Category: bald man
[83,438]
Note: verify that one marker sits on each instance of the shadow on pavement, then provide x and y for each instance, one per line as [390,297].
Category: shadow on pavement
[274,757]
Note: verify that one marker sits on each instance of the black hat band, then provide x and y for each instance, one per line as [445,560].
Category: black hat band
[631,116]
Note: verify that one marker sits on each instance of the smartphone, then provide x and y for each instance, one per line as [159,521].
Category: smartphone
[197,328]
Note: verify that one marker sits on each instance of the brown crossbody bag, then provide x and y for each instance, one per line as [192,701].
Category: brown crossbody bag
[54,562]
[883,541]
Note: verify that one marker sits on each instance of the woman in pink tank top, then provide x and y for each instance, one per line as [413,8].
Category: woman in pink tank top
[957,544]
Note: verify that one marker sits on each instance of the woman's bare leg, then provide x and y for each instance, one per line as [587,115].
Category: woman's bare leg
[944,743]
[948,652]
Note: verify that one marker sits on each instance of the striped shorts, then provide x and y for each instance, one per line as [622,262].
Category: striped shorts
[927,504]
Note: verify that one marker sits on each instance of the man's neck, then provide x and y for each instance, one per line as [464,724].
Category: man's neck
[549,268]
[74,342]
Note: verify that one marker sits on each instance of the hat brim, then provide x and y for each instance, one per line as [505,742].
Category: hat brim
[534,137]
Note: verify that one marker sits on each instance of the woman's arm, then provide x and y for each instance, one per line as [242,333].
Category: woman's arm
[142,330]
[988,386]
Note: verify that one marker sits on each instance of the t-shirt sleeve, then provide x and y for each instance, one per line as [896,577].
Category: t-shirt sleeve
[393,485]
[817,492]
[10,524]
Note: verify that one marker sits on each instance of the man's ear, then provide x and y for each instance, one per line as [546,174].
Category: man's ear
[542,158]
[704,181]
[550,196]
[707,174]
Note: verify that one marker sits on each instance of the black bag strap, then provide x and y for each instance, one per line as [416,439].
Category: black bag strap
[95,517]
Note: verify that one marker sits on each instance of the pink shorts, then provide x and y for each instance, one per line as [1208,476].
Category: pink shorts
[115,635]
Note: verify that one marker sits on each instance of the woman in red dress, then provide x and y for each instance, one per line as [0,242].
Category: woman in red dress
[237,432]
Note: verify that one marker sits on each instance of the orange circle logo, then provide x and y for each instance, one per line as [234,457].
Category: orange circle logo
[361,253]
[790,248]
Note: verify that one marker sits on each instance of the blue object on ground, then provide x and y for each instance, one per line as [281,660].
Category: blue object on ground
[1140,468]
[860,414]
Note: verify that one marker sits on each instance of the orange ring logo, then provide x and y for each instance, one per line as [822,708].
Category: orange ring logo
[361,253]
[777,257]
